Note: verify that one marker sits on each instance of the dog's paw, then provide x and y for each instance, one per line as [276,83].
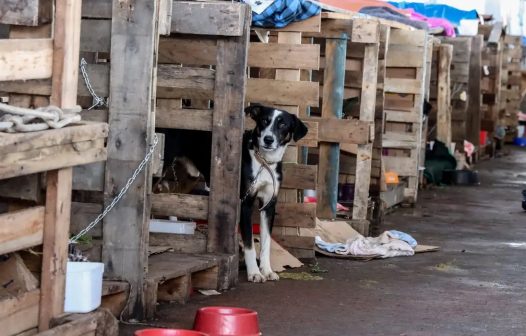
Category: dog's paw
[256,277]
[272,276]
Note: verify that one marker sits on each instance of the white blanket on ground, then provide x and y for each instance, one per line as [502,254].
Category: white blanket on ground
[384,245]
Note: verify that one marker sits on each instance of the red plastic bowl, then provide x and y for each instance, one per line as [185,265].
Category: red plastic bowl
[168,332]
[227,321]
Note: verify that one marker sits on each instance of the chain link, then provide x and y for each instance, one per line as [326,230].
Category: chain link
[97,101]
[121,194]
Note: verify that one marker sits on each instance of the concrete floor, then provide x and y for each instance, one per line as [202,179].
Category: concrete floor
[474,286]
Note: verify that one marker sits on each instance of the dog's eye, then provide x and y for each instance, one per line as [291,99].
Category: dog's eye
[281,125]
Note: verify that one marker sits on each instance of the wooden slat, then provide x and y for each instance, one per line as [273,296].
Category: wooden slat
[19,313]
[28,13]
[312,24]
[443,117]
[180,205]
[343,130]
[216,18]
[189,119]
[408,38]
[398,85]
[281,92]
[297,176]
[188,51]
[404,56]
[21,229]
[398,116]
[284,56]
[174,81]
[22,59]
[97,9]
[404,166]
[301,215]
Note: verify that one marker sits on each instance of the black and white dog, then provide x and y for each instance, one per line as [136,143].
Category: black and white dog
[261,176]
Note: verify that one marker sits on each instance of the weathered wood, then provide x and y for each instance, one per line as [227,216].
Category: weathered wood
[365,151]
[443,125]
[184,119]
[216,18]
[82,214]
[284,56]
[97,9]
[27,13]
[182,243]
[282,92]
[56,235]
[96,35]
[334,78]
[21,229]
[227,132]
[296,176]
[174,81]
[134,42]
[19,313]
[27,187]
[187,50]
[22,59]
[165,16]
[180,205]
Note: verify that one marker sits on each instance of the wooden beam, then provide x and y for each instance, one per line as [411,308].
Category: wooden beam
[134,41]
[284,56]
[474,92]
[297,176]
[227,133]
[23,59]
[174,81]
[28,13]
[445,54]
[189,119]
[282,92]
[20,313]
[180,205]
[329,153]
[216,18]
[21,229]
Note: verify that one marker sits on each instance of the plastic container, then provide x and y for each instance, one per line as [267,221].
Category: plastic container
[227,321]
[168,332]
[172,226]
[83,286]
[520,142]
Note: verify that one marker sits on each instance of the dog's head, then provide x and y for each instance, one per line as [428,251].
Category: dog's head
[275,128]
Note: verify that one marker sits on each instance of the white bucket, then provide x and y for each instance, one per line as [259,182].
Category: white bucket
[520,131]
[83,286]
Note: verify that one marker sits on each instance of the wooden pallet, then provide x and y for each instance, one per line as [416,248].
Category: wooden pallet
[440,116]
[173,277]
[405,91]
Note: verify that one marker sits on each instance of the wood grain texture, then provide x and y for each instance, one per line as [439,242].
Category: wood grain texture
[174,81]
[189,119]
[21,229]
[227,133]
[282,92]
[186,50]
[284,56]
[22,59]
[27,13]
[474,114]
[19,313]
[297,176]
[445,55]
[180,205]
[96,35]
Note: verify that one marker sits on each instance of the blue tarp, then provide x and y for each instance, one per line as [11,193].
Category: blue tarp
[283,12]
[452,14]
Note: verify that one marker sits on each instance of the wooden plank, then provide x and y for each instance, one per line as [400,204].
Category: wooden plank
[329,153]
[28,32]
[284,56]
[134,41]
[301,215]
[342,130]
[407,37]
[311,25]
[398,85]
[22,59]
[182,243]
[443,125]
[21,229]
[55,251]
[365,151]
[97,9]
[28,13]
[365,31]
[214,18]
[174,81]
[189,119]
[227,133]
[403,117]
[404,166]
[188,51]
[165,16]
[19,313]
[404,56]
[81,216]
[297,176]
[180,205]
[282,92]
[96,35]
[496,33]
[27,187]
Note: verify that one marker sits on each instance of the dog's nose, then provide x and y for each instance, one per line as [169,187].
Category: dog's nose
[268,140]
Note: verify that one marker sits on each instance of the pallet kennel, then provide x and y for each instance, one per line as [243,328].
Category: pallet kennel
[511,85]
[46,66]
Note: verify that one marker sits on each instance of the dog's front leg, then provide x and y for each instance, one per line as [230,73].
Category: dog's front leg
[267,221]
[245,224]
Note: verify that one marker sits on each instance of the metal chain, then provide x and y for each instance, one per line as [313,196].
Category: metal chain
[121,194]
[97,101]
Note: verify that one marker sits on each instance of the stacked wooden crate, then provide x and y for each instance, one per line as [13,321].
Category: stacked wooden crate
[511,84]
[404,99]
[37,70]
[459,88]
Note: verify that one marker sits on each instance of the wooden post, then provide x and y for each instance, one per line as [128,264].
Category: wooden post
[59,182]
[329,153]
[445,55]
[227,132]
[365,152]
[132,83]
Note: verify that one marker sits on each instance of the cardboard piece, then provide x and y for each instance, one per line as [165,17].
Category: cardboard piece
[280,259]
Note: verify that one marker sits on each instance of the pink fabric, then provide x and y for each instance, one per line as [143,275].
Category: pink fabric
[449,29]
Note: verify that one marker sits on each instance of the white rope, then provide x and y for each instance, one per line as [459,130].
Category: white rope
[14,119]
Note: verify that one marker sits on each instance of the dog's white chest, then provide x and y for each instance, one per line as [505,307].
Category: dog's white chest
[266,184]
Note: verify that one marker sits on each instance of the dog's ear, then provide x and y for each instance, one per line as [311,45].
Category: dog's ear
[299,130]
[253,111]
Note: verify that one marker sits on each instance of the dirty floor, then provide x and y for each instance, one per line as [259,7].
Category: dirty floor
[474,286]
